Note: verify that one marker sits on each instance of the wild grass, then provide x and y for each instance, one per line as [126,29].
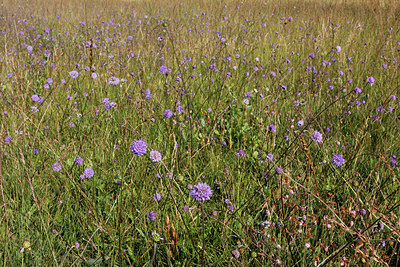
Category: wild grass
[248,84]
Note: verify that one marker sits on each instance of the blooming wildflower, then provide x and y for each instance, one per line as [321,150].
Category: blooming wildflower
[152,216]
[179,109]
[138,147]
[201,192]
[240,153]
[57,167]
[279,171]
[157,197]
[155,156]
[246,101]
[148,95]
[357,90]
[7,139]
[272,128]
[362,212]
[74,74]
[94,75]
[209,110]
[393,97]
[114,81]
[338,48]
[79,161]
[312,55]
[317,137]
[270,157]
[168,113]
[338,160]
[300,123]
[29,48]
[163,69]
[371,80]
[88,172]
[49,80]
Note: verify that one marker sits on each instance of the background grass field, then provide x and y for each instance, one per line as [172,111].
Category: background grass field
[262,96]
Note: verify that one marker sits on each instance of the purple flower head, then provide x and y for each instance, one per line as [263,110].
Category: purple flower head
[163,69]
[114,81]
[155,156]
[151,216]
[29,48]
[338,160]
[179,109]
[157,197]
[148,94]
[338,48]
[94,75]
[57,167]
[270,157]
[240,153]
[138,147]
[357,90]
[371,80]
[317,137]
[272,128]
[88,172]
[79,161]
[362,212]
[312,55]
[201,192]
[35,98]
[49,80]
[168,113]
[7,139]
[300,123]
[74,74]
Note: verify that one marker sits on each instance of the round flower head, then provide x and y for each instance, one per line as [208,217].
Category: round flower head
[74,74]
[338,160]
[317,137]
[57,167]
[201,192]
[138,147]
[168,113]
[157,197]
[88,172]
[151,216]
[7,139]
[79,161]
[155,156]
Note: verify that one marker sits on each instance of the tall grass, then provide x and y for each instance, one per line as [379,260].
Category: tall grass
[251,88]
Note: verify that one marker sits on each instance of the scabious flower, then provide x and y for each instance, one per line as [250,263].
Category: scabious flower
[317,137]
[155,156]
[79,161]
[152,216]
[240,153]
[338,48]
[7,139]
[357,90]
[57,167]
[168,113]
[148,95]
[35,98]
[139,147]
[338,160]
[74,74]
[157,197]
[270,157]
[201,192]
[163,69]
[88,172]
[114,81]
[272,128]
[371,80]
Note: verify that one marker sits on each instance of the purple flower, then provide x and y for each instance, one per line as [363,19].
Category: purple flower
[57,167]
[300,123]
[74,74]
[312,55]
[49,80]
[138,147]
[114,81]
[270,157]
[29,48]
[155,156]
[362,212]
[240,153]
[94,75]
[338,48]
[7,139]
[236,253]
[152,216]
[357,90]
[148,95]
[338,160]
[201,192]
[272,128]
[157,197]
[179,109]
[79,161]
[317,137]
[371,80]
[163,69]
[168,113]
[88,172]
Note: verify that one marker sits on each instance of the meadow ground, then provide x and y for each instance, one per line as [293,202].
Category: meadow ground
[199,133]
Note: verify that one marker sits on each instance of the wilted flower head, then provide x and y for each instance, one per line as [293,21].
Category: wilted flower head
[139,147]
[201,192]
[155,156]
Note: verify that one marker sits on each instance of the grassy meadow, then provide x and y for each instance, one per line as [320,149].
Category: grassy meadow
[199,133]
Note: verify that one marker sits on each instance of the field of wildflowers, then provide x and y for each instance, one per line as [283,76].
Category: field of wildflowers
[199,133]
